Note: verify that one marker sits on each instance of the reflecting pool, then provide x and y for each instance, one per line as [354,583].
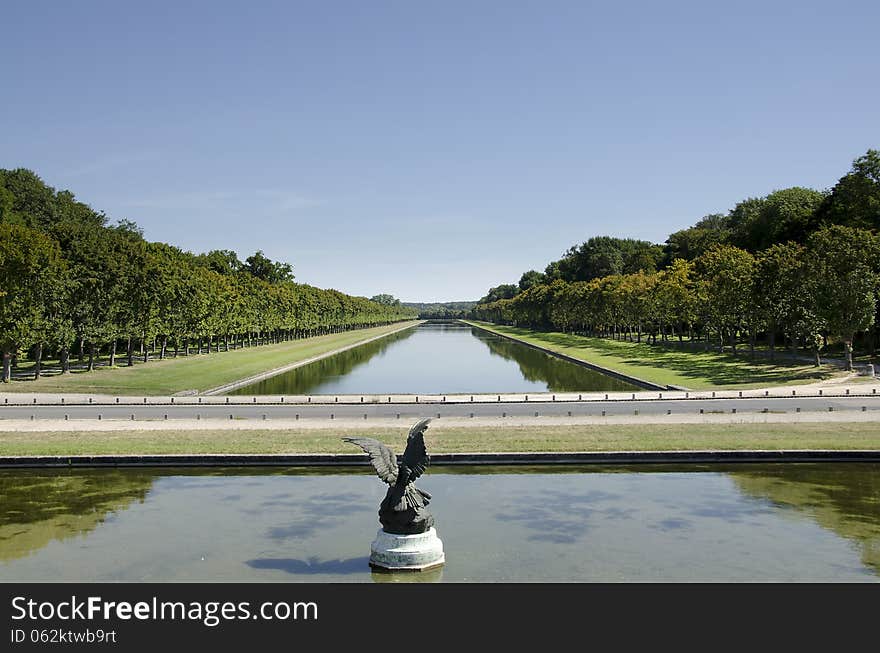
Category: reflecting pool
[784,522]
[435,358]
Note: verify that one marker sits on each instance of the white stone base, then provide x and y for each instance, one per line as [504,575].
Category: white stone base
[407,552]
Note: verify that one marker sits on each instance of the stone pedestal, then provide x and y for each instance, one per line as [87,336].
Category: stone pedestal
[418,552]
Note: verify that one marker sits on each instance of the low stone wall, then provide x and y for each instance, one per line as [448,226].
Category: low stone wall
[456,459]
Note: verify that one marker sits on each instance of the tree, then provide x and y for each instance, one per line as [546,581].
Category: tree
[31,273]
[224,261]
[385,300]
[695,241]
[531,278]
[785,294]
[727,274]
[603,256]
[264,268]
[842,264]
[855,199]
[30,201]
[783,215]
[674,295]
[504,291]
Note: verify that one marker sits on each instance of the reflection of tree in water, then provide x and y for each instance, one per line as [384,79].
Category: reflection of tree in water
[559,375]
[844,498]
[304,379]
[38,506]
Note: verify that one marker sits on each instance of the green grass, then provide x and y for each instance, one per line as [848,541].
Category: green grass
[200,373]
[589,437]
[689,369]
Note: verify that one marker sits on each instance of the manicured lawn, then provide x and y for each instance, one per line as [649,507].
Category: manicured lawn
[200,373]
[688,369]
[440,439]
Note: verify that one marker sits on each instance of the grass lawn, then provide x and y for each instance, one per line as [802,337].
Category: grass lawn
[589,437]
[692,370]
[200,373]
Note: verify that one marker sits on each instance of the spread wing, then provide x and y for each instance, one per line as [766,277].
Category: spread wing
[416,456]
[383,459]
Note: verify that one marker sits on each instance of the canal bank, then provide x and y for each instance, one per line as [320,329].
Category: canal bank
[452,459]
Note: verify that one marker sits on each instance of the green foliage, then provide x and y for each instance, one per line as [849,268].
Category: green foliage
[603,256]
[695,241]
[66,276]
[434,310]
[844,262]
[385,300]
[32,288]
[855,199]
[531,278]
[504,291]
[263,268]
[797,261]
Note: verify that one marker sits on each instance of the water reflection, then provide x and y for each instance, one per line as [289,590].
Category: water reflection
[842,498]
[742,522]
[38,507]
[309,378]
[538,367]
[436,358]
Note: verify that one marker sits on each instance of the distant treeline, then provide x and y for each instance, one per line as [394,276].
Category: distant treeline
[442,309]
[799,263]
[72,283]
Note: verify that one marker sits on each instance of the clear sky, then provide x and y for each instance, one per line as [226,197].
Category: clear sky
[432,149]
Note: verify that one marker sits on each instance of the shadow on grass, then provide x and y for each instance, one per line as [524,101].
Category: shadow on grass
[705,367]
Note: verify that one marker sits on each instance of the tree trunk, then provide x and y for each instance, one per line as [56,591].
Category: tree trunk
[818,361]
[164,348]
[145,350]
[91,366]
[130,353]
[38,361]
[65,360]
[733,341]
[772,336]
[872,333]
[113,353]
[7,366]
[82,348]
[847,345]
[752,337]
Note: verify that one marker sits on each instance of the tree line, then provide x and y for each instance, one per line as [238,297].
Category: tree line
[798,264]
[71,283]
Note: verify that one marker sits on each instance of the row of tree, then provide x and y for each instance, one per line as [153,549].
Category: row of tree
[797,262]
[69,282]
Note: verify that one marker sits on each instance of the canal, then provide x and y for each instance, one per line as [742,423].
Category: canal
[436,358]
[748,522]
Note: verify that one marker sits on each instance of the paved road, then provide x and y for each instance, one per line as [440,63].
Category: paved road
[275,410]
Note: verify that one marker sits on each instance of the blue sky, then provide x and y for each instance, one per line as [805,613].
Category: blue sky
[432,149]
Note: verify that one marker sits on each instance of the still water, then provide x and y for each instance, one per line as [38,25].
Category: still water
[790,522]
[436,358]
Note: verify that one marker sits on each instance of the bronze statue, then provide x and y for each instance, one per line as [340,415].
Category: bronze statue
[403,511]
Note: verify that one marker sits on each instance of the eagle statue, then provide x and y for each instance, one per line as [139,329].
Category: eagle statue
[403,510]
